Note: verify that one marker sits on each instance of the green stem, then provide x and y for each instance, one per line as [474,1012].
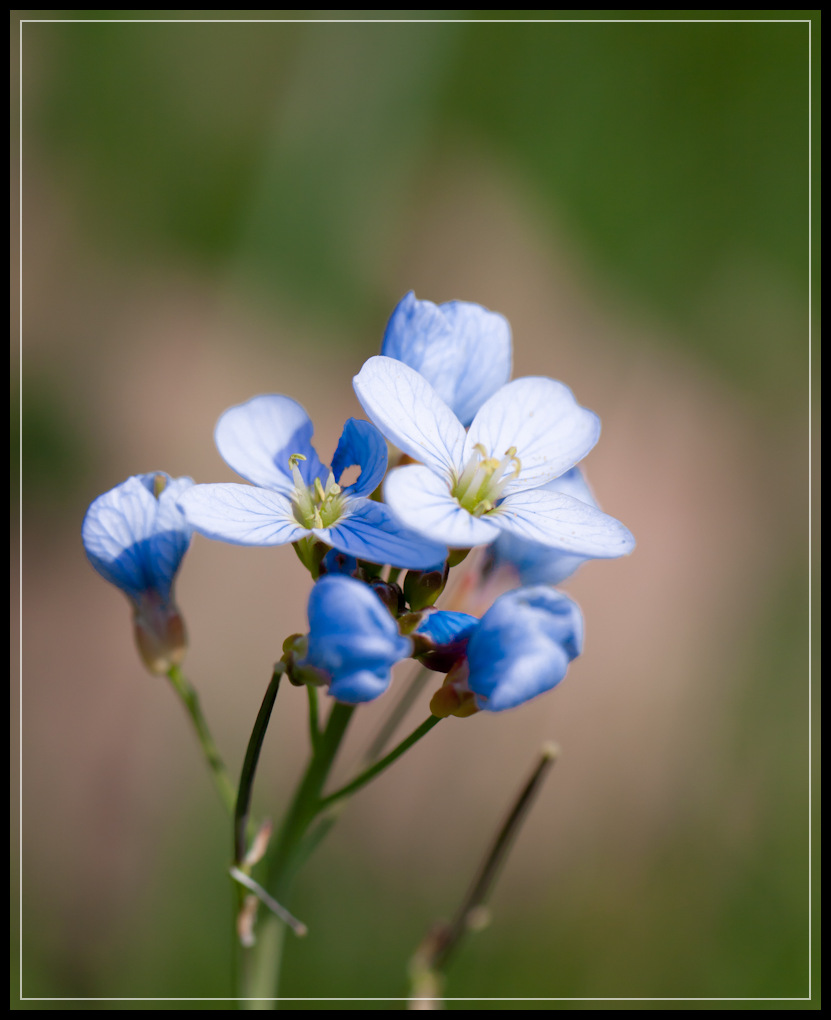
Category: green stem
[314,717]
[307,802]
[384,763]
[249,766]
[190,699]
[396,716]
[288,853]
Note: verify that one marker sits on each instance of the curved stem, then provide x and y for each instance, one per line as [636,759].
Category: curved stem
[405,702]
[190,699]
[430,959]
[384,763]
[249,765]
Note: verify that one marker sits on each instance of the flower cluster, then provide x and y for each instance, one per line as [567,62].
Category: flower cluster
[479,461]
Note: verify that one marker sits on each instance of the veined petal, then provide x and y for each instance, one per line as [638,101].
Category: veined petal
[561,521]
[410,413]
[523,646]
[542,564]
[361,445]
[242,514]
[257,438]
[485,337]
[445,628]
[422,500]
[368,531]
[462,349]
[171,535]
[541,419]
[134,540]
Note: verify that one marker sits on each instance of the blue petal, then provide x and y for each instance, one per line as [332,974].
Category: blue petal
[353,639]
[461,348]
[368,531]
[563,522]
[542,564]
[445,628]
[423,501]
[242,514]
[135,540]
[361,445]
[544,423]
[410,413]
[523,646]
[257,438]
[336,562]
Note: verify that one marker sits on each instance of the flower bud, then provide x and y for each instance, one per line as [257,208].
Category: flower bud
[423,587]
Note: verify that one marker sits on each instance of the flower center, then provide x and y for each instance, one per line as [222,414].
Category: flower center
[315,506]
[480,485]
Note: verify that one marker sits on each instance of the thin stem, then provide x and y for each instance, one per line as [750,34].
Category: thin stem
[276,908]
[449,939]
[307,802]
[314,717]
[399,710]
[384,763]
[286,854]
[190,699]
[249,766]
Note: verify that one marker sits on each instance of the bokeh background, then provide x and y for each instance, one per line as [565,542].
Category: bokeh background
[216,210]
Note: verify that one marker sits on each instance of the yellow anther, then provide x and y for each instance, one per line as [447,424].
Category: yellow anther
[295,458]
[159,483]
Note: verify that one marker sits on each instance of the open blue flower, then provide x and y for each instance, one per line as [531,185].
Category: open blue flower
[472,486]
[268,440]
[522,647]
[353,639]
[135,536]
[542,564]
[462,349]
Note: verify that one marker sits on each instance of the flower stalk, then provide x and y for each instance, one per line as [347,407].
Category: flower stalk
[190,699]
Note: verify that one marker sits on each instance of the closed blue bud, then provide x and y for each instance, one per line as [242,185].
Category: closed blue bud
[353,639]
[441,638]
[522,647]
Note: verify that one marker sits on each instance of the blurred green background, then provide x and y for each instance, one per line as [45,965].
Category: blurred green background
[212,210]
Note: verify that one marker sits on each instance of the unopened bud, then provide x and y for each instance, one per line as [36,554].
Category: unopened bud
[422,588]
[390,594]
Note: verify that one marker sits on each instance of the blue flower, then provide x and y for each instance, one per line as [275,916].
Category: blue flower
[353,639]
[472,486]
[268,441]
[542,564]
[462,349]
[441,638]
[135,536]
[523,646]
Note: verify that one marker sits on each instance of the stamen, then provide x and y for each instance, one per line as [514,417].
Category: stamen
[315,506]
[480,485]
